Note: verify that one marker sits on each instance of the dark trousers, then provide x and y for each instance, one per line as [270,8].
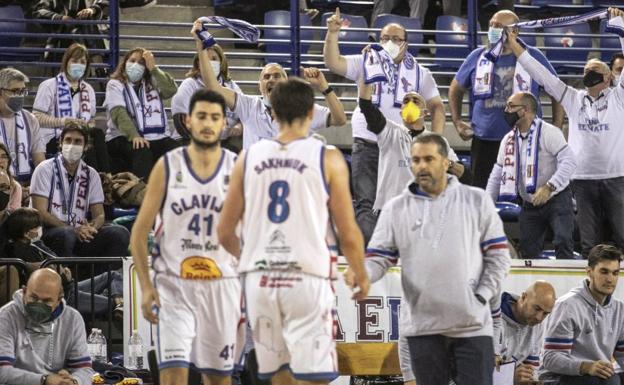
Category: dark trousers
[436,359]
[589,380]
[364,160]
[599,201]
[110,241]
[101,293]
[137,161]
[558,214]
[483,155]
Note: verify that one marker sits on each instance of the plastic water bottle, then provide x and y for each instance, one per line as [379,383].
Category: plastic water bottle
[96,344]
[135,351]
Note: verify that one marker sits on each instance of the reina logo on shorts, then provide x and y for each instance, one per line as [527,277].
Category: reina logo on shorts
[199,268]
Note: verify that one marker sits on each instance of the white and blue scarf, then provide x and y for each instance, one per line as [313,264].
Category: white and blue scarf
[614,25]
[19,146]
[241,28]
[511,173]
[73,196]
[64,107]
[146,109]
[379,68]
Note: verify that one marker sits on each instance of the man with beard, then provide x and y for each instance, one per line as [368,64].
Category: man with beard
[586,327]
[256,113]
[443,231]
[42,340]
[196,291]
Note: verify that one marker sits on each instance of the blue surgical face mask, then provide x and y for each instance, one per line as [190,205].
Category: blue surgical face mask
[494,34]
[76,70]
[134,71]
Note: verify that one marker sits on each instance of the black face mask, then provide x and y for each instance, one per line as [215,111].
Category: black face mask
[592,78]
[4,200]
[511,118]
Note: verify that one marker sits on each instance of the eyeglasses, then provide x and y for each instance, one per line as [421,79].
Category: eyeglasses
[17,91]
[510,106]
[395,39]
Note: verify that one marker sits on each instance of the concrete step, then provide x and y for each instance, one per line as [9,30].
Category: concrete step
[170,13]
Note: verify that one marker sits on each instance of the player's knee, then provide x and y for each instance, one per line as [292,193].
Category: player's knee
[216,380]
[174,376]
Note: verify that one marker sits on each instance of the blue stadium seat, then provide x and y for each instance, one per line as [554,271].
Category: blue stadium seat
[11,12]
[354,21]
[451,23]
[574,48]
[283,18]
[530,40]
[408,23]
[608,41]
[507,211]
[550,254]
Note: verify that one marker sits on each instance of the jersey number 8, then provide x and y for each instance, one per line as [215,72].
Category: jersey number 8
[278,209]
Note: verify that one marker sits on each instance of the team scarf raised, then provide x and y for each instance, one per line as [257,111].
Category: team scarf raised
[146,108]
[379,68]
[241,28]
[511,172]
[614,25]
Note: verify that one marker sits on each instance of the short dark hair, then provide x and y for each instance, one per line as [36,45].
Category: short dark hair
[617,55]
[204,95]
[20,221]
[430,137]
[529,100]
[75,127]
[292,99]
[603,252]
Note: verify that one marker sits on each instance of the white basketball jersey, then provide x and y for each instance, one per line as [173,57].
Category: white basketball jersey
[286,213]
[186,233]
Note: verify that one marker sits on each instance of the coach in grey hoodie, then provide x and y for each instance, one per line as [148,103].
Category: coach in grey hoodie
[42,340]
[586,327]
[454,257]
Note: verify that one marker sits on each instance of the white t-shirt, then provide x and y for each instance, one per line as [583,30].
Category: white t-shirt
[181,100]
[394,163]
[258,123]
[18,150]
[428,90]
[69,202]
[46,101]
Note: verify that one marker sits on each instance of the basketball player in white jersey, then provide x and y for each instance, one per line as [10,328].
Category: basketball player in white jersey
[195,297]
[284,190]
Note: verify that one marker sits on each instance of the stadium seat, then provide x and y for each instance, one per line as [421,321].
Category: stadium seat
[570,48]
[283,18]
[408,23]
[550,254]
[507,211]
[608,41]
[451,23]
[11,12]
[352,21]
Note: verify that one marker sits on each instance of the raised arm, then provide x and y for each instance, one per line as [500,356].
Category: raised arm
[331,52]
[337,116]
[375,121]
[207,74]
[138,239]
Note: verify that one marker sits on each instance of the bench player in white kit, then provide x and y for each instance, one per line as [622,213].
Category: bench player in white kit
[284,190]
[196,294]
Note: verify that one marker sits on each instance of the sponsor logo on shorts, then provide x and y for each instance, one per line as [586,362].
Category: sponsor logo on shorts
[199,268]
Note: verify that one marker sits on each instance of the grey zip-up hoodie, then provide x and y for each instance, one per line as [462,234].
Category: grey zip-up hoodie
[580,329]
[451,248]
[29,351]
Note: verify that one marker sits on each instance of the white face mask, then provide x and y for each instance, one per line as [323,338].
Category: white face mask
[216,67]
[494,34]
[392,49]
[72,152]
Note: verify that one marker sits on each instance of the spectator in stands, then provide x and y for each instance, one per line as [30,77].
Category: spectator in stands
[594,115]
[534,167]
[586,327]
[394,140]
[615,65]
[67,10]
[194,82]
[19,128]
[5,196]
[42,340]
[488,125]
[66,191]
[522,330]
[255,112]
[23,229]
[15,194]
[365,154]
[138,133]
[444,232]
[67,98]
[418,8]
